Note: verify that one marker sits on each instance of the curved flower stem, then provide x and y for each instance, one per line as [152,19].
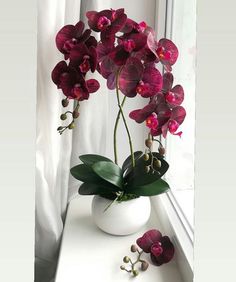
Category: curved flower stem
[115,131]
[125,123]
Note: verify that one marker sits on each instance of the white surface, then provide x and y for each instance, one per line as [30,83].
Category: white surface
[129,216]
[88,253]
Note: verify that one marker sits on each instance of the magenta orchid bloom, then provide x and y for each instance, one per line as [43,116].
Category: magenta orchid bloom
[72,83]
[83,58]
[108,22]
[134,78]
[71,35]
[127,45]
[169,116]
[160,247]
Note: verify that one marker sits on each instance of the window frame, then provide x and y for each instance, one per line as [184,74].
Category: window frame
[166,206]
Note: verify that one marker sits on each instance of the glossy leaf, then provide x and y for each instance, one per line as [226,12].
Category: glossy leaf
[85,173]
[109,172]
[128,162]
[90,159]
[96,189]
[151,189]
[139,177]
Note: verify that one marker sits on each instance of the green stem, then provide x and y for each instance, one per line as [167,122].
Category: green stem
[115,131]
[125,123]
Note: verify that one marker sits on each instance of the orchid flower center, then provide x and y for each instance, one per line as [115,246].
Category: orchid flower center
[69,44]
[173,126]
[129,45]
[170,98]
[163,54]
[152,122]
[141,27]
[85,65]
[157,250]
[103,23]
[77,91]
[142,88]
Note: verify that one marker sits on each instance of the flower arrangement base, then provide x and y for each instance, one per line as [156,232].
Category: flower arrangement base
[120,218]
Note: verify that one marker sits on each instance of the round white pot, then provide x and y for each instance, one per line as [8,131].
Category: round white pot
[121,218]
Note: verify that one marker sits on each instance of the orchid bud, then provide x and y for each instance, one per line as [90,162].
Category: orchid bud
[63,117]
[162,150]
[133,248]
[147,169]
[71,126]
[65,102]
[148,143]
[60,128]
[126,259]
[144,265]
[135,272]
[122,267]
[75,114]
[157,163]
[146,157]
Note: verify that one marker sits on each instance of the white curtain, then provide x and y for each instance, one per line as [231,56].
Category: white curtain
[56,154]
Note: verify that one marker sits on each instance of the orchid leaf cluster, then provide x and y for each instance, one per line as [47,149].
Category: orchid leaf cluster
[101,176]
[160,248]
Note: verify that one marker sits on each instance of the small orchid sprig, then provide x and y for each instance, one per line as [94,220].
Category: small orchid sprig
[132,270]
[160,247]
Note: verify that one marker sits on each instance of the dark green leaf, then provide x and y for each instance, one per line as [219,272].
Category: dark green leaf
[85,173]
[151,189]
[96,189]
[90,159]
[139,177]
[109,172]
[128,162]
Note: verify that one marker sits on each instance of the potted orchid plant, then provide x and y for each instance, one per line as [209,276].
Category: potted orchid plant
[126,55]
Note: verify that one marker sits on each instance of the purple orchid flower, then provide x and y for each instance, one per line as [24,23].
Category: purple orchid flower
[72,82]
[165,51]
[134,78]
[71,35]
[83,58]
[165,106]
[127,45]
[108,22]
[160,247]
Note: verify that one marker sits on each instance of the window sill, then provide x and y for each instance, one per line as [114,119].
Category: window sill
[88,253]
[177,227]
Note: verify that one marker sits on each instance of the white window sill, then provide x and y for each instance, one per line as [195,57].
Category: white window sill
[177,226]
[88,253]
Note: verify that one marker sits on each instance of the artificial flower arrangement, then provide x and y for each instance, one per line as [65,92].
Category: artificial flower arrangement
[160,248]
[126,55]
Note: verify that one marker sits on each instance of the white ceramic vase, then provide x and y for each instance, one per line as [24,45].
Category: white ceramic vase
[121,218]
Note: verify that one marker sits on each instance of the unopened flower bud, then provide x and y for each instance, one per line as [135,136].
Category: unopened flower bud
[63,117]
[60,128]
[135,272]
[162,151]
[146,157]
[147,169]
[126,259]
[144,265]
[71,126]
[133,248]
[157,163]
[148,143]
[75,114]
[122,267]
[65,102]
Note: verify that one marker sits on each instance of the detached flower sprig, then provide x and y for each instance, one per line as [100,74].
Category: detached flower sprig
[160,248]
